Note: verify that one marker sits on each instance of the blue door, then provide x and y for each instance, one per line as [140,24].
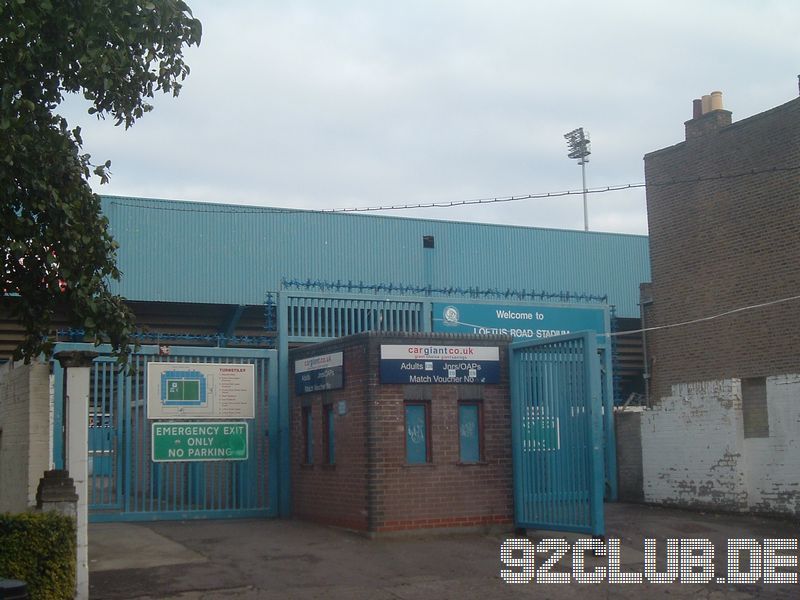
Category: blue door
[557,434]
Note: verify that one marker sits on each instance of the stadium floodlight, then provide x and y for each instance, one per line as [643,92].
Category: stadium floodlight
[578,144]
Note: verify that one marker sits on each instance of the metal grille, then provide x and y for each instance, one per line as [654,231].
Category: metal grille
[313,318]
[557,434]
[105,408]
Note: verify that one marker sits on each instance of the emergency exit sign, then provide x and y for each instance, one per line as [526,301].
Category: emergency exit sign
[202,441]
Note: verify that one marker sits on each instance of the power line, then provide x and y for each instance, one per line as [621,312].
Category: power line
[704,319]
[454,203]
[610,188]
[597,190]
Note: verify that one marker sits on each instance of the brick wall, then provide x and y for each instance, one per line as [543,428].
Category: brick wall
[445,492]
[772,464]
[628,428]
[717,246]
[695,452]
[24,433]
[720,245]
[691,447]
[371,487]
[333,494]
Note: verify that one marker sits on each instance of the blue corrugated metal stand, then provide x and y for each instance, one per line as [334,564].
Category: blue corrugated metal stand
[194,252]
[556,425]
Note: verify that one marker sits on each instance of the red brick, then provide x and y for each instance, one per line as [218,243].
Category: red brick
[371,487]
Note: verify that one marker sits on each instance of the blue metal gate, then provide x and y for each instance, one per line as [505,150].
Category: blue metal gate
[125,484]
[557,434]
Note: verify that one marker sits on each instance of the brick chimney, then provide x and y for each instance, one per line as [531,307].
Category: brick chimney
[707,116]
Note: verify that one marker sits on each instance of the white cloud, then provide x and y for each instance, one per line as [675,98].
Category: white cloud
[322,105]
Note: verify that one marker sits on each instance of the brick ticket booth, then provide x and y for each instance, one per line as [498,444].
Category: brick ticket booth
[395,432]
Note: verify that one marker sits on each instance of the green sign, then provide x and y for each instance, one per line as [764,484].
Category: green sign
[173,442]
[182,390]
[542,433]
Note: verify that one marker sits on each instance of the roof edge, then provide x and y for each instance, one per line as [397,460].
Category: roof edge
[254,208]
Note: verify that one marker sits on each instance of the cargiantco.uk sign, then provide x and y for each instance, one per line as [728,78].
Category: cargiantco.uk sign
[415,363]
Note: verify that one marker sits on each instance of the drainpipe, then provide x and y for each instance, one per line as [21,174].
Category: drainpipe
[646,376]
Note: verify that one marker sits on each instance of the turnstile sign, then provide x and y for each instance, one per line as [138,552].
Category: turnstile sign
[202,441]
[200,391]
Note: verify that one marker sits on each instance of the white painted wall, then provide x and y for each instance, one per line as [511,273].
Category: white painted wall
[772,465]
[694,452]
[25,438]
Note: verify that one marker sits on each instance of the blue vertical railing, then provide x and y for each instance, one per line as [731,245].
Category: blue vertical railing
[557,430]
[125,484]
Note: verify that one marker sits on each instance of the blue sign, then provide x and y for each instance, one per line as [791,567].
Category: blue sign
[319,373]
[440,364]
[521,322]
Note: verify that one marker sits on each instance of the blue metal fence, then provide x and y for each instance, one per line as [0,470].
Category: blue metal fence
[557,434]
[305,315]
[311,318]
[126,484]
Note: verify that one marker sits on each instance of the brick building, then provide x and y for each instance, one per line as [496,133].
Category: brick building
[354,464]
[724,218]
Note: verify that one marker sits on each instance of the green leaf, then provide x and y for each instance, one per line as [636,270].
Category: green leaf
[51,226]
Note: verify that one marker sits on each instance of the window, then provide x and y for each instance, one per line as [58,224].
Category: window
[417,433]
[308,436]
[755,413]
[328,434]
[417,415]
[469,432]
[470,423]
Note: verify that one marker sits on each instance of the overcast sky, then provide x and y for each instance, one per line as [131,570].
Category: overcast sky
[334,104]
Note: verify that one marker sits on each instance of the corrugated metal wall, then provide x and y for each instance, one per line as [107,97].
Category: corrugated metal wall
[196,252]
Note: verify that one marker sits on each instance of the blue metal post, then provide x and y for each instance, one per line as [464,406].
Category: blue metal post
[125,477]
[516,424]
[274,482]
[598,474]
[284,420]
[427,316]
[58,415]
[610,438]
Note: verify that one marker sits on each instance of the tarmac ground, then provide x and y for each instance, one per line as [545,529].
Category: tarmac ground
[291,559]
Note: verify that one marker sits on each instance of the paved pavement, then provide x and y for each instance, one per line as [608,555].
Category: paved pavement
[290,559]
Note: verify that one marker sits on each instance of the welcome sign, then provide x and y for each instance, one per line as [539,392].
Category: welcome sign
[518,321]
